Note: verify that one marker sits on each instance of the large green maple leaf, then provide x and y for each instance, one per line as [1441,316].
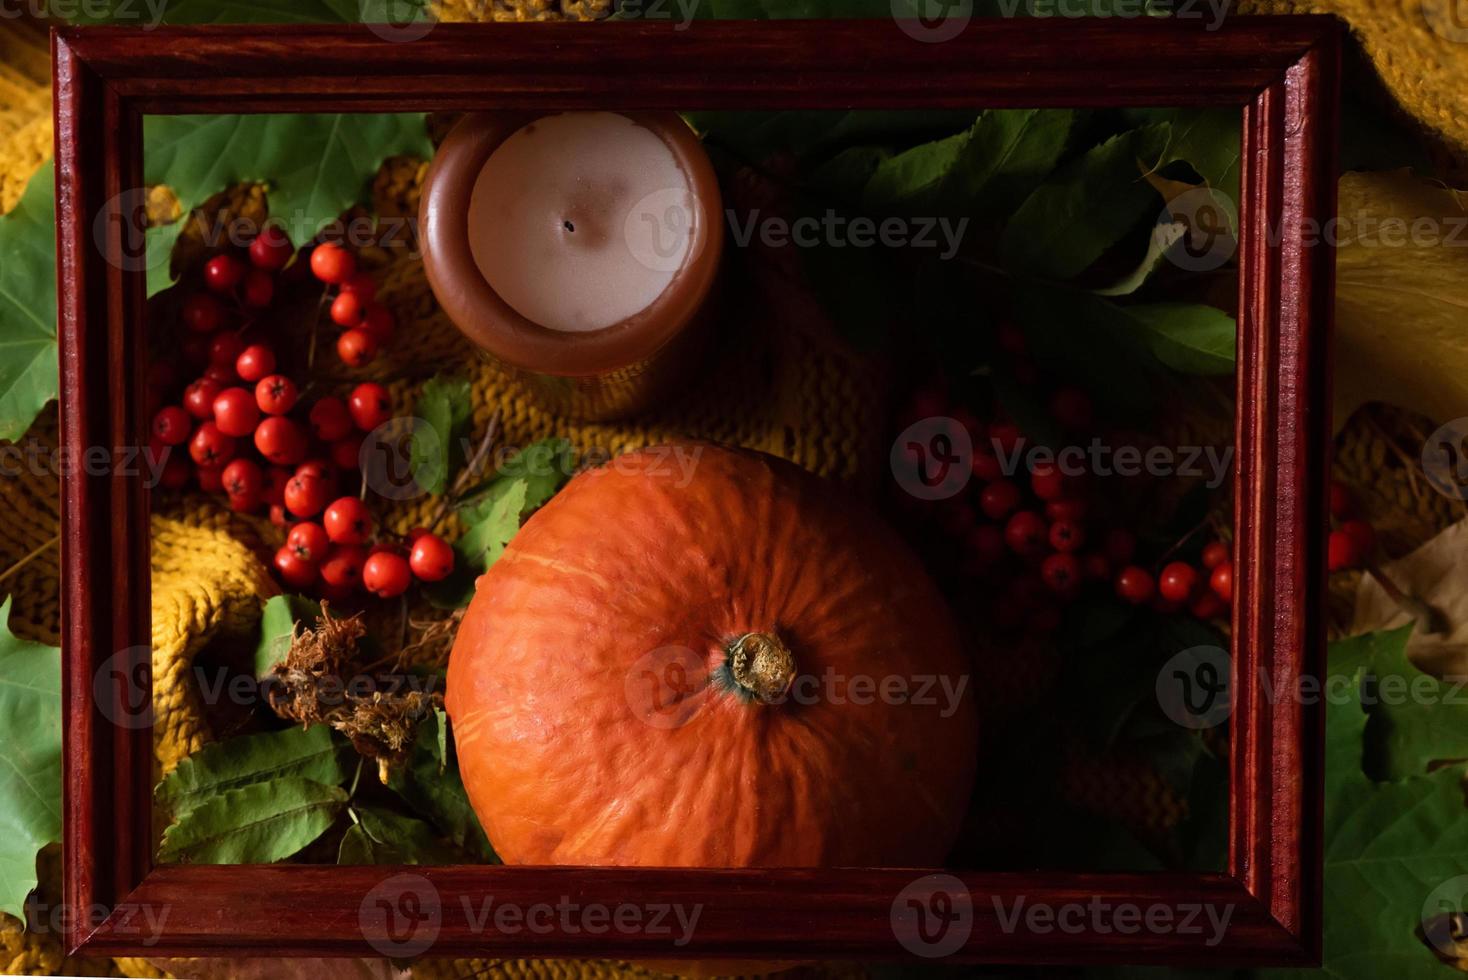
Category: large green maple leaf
[28,358]
[30,760]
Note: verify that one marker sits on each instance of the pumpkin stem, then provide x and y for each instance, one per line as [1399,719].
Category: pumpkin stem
[762,666]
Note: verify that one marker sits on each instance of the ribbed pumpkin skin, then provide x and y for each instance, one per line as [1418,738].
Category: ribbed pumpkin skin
[562,769]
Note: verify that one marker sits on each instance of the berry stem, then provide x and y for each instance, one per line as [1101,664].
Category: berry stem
[315,325]
[1187,535]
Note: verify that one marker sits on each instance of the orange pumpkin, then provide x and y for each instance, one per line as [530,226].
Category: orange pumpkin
[698,656]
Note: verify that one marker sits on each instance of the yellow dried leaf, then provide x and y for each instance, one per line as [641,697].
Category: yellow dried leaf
[1401,295]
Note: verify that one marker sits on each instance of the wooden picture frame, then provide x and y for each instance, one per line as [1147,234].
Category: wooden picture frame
[1281,72]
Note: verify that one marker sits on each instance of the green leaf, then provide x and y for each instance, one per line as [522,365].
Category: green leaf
[1085,207]
[493,518]
[996,161]
[846,174]
[1188,337]
[29,359]
[811,134]
[254,824]
[1414,719]
[443,738]
[1208,140]
[317,754]
[1083,336]
[429,783]
[383,837]
[159,241]
[445,407]
[499,519]
[1118,348]
[30,766]
[277,624]
[1388,847]
[316,166]
[543,467]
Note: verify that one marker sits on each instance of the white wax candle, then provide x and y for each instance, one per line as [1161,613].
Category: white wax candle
[580,220]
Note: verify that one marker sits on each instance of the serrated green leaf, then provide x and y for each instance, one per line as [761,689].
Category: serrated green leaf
[845,175]
[1188,337]
[435,791]
[30,765]
[544,467]
[29,359]
[1388,848]
[278,622]
[1208,140]
[1119,347]
[383,837]
[996,161]
[485,541]
[317,754]
[813,134]
[316,166]
[444,408]
[253,824]
[1413,718]
[1085,207]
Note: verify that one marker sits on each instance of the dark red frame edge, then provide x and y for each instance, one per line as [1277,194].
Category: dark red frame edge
[1282,71]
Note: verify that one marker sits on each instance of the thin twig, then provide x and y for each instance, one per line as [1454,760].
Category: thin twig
[470,468]
[315,325]
[35,553]
[1426,616]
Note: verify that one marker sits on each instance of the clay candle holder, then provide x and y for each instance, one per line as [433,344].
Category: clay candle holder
[578,248]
